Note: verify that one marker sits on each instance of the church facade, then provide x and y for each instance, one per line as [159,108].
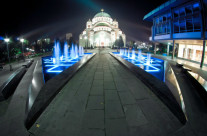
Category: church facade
[101,31]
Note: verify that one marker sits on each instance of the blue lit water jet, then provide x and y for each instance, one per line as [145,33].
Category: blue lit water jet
[53,65]
[151,65]
[72,52]
[148,59]
[76,51]
[56,53]
[66,51]
[133,54]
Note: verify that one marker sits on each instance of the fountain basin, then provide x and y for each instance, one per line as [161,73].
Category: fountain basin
[154,66]
[51,69]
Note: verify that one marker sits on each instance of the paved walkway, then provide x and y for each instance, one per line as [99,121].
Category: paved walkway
[105,99]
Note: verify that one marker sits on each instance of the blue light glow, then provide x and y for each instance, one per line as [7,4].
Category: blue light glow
[151,65]
[60,61]
[1,38]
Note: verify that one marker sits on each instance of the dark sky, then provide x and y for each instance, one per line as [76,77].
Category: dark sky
[40,18]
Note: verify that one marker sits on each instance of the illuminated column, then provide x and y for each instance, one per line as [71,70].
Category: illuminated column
[186,52]
[194,54]
[173,54]
[168,49]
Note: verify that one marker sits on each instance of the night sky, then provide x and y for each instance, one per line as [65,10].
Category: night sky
[41,18]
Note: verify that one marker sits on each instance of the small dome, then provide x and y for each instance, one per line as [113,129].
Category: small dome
[102,14]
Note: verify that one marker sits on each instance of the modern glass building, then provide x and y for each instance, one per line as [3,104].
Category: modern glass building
[182,23]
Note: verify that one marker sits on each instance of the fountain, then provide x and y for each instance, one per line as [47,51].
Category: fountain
[76,51]
[56,53]
[133,54]
[121,51]
[66,51]
[81,51]
[72,52]
[128,54]
[53,65]
[125,52]
[148,59]
[151,65]
[139,55]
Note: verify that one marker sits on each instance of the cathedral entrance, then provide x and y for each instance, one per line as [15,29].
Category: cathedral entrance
[102,44]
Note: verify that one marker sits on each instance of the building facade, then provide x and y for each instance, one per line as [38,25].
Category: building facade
[182,24]
[101,31]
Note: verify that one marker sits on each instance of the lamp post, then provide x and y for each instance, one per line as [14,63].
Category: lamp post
[7,44]
[85,42]
[22,41]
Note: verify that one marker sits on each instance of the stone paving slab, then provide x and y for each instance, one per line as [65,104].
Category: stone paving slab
[116,127]
[92,132]
[93,119]
[97,90]
[127,98]
[109,85]
[98,82]
[113,109]
[134,115]
[95,103]
[111,96]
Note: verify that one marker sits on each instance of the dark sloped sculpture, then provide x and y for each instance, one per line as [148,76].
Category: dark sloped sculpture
[9,86]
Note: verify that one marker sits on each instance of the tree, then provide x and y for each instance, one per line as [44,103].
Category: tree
[71,41]
[132,44]
[119,42]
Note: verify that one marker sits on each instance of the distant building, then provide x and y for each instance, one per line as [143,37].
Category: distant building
[101,31]
[181,23]
[68,36]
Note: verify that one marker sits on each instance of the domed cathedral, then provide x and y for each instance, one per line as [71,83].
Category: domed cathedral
[102,31]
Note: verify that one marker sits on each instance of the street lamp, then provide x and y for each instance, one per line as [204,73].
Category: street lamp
[7,43]
[85,42]
[22,41]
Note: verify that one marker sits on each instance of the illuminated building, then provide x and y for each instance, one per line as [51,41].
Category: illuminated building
[102,31]
[182,24]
